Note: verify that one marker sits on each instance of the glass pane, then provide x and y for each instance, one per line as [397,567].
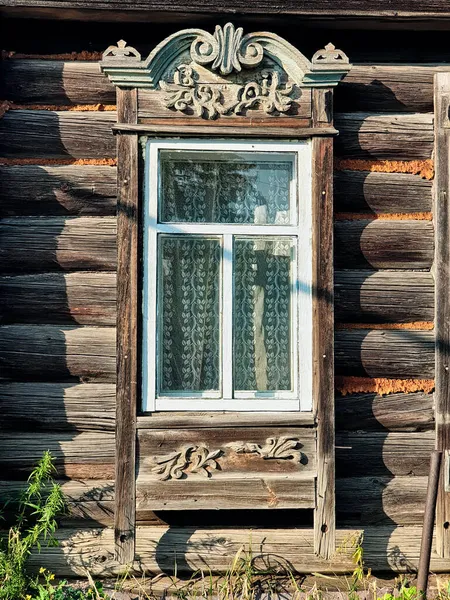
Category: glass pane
[263,319]
[226,187]
[189,355]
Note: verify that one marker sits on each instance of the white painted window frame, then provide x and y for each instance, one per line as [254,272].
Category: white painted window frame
[301,397]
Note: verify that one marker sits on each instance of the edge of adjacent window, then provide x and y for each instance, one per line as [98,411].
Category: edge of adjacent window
[304,402]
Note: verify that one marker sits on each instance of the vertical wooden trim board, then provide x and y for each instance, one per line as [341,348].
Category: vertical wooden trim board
[442,302]
[323,344]
[127,312]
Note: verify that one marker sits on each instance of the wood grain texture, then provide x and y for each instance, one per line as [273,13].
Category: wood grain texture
[82,298]
[376,8]
[262,492]
[368,87]
[442,317]
[381,501]
[371,353]
[47,134]
[82,455]
[90,503]
[128,309]
[394,412]
[52,134]
[384,136]
[89,298]
[37,406]
[158,549]
[187,549]
[55,82]
[63,353]
[383,296]
[200,420]
[388,88]
[323,344]
[61,190]
[239,455]
[381,193]
[52,353]
[382,453]
[58,243]
[384,244]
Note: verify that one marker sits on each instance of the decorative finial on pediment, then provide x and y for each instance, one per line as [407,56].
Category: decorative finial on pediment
[121,51]
[227,49]
[330,56]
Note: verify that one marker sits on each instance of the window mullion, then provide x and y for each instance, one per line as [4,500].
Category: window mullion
[227,316]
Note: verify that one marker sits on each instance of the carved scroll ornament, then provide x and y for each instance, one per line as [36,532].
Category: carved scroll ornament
[200,460]
[210,101]
[227,50]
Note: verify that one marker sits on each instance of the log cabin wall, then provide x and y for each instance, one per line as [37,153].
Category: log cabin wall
[57,302]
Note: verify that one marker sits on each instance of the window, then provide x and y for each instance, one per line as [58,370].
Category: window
[227,276]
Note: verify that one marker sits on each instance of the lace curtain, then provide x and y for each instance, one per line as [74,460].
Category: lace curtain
[190,276]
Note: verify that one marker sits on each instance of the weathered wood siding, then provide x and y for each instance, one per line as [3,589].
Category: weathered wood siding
[57,316]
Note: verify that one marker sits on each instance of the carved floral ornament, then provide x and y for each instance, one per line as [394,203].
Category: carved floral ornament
[229,57]
[199,459]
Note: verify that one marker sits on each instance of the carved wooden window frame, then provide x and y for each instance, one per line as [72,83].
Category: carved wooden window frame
[149,104]
[299,230]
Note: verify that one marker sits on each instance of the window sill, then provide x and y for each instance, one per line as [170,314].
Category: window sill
[160,420]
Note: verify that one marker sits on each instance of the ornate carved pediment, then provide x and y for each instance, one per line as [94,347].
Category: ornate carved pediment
[225,73]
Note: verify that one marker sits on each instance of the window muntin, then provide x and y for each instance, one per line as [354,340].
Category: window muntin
[249,318]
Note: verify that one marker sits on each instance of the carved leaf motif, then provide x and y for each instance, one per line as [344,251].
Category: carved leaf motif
[284,447]
[186,460]
[208,101]
[172,466]
[203,459]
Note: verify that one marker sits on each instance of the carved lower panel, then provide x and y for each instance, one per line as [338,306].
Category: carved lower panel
[226,468]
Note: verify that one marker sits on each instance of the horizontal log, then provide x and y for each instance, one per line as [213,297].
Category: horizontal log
[83,298]
[51,353]
[57,406]
[383,296]
[394,412]
[183,549]
[384,136]
[375,8]
[393,88]
[383,454]
[58,243]
[61,190]
[85,455]
[380,500]
[189,549]
[273,492]
[380,193]
[55,82]
[383,244]
[48,134]
[89,298]
[396,354]
[378,88]
[90,503]
[91,190]
[52,134]
[89,243]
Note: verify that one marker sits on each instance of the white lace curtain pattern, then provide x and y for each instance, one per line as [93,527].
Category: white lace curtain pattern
[190,275]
